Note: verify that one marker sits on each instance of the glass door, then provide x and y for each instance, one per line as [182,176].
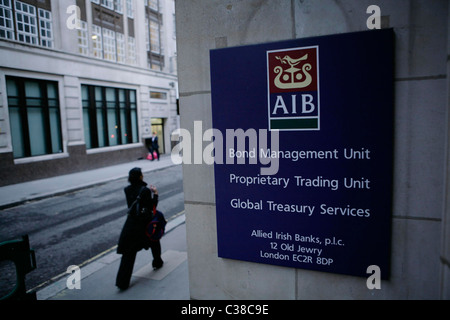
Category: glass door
[158,128]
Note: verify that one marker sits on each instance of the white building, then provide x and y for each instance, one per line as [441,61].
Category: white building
[84,83]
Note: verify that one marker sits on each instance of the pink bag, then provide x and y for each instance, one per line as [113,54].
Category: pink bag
[155,155]
[149,156]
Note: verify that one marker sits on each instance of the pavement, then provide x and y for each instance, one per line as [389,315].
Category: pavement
[97,275]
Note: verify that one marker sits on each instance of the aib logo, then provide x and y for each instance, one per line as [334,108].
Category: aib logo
[293,89]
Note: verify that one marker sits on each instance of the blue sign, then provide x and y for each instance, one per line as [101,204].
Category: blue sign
[307,128]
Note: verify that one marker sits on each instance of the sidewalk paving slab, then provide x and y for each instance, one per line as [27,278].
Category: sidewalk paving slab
[171,282]
[17,194]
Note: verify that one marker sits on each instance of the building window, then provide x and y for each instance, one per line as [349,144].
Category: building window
[130,9]
[34,117]
[97,46]
[109,45]
[6,20]
[108,4]
[132,57]
[118,6]
[110,41]
[115,5]
[110,116]
[32,25]
[154,35]
[83,39]
[152,4]
[26,23]
[45,28]
[120,40]
[158,128]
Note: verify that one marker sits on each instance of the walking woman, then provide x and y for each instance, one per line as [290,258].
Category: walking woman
[132,238]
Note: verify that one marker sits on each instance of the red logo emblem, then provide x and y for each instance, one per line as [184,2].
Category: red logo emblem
[293,88]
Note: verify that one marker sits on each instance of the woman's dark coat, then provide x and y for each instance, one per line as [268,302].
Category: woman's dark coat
[132,237]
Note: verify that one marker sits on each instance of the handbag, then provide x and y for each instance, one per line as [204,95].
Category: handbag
[156,227]
[136,210]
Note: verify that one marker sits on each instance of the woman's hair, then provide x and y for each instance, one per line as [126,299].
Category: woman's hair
[134,176]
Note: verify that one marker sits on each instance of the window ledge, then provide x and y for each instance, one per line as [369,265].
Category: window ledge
[114,148]
[46,157]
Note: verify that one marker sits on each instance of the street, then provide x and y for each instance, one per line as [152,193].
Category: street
[72,228]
